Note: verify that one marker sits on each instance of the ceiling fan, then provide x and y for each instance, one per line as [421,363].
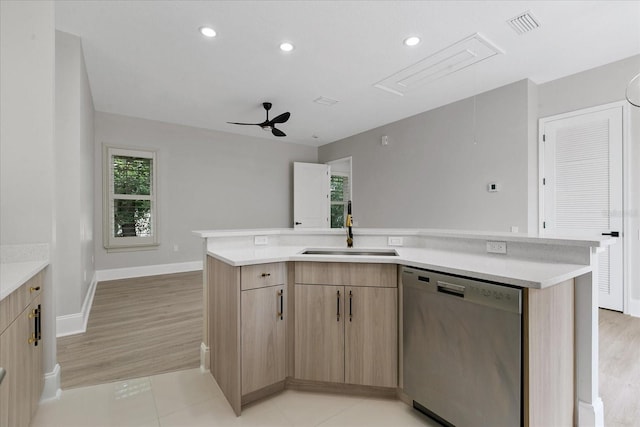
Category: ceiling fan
[269,125]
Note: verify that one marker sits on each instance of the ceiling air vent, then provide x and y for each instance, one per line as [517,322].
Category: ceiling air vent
[524,23]
[445,62]
[325,101]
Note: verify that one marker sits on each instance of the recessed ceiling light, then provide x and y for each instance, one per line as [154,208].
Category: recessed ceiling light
[286,47]
[412,41]
[207,32]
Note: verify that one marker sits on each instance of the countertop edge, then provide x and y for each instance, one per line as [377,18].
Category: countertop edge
[26,271]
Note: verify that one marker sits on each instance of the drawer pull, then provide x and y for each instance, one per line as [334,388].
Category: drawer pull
[338,307]
[265,275]
[34,289]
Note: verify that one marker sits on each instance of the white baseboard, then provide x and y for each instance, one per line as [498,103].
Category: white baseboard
[76,323]
[205,360]
[51,390]
[147,270]
[634,307]
[591,415]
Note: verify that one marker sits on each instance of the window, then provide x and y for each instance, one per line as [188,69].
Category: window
[130,198]
[339,198]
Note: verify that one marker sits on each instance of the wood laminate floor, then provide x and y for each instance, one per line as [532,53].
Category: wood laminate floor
[620,368]
[137,328]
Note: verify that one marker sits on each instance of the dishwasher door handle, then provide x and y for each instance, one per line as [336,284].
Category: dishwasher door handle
[451,289]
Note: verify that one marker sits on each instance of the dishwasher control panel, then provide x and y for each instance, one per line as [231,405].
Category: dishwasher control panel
[490,294]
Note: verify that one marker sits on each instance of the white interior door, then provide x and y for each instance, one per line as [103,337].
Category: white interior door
[310,195]
[582,187]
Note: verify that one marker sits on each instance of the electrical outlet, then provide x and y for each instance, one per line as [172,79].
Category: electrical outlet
[260,240]
[394,241]
[497,247]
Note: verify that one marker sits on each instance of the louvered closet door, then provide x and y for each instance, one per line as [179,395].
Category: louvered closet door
[583,187]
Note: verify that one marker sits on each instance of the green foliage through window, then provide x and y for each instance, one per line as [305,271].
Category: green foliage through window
[339,186]
[132,176]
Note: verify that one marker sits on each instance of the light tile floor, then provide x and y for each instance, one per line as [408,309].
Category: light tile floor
[191,398]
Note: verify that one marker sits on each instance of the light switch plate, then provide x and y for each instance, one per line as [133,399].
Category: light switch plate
[394,241]
[496,247]
[260,240]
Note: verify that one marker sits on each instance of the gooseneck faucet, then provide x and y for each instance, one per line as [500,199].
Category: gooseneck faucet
[349,224]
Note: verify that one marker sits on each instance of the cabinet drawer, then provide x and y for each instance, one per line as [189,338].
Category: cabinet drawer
[347,274]
[262,275]
[18,300]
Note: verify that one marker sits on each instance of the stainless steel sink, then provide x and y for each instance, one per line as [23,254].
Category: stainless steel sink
[351,252]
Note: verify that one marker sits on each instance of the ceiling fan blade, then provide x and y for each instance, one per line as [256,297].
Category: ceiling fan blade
[282,118]
[277,132]
[246,124]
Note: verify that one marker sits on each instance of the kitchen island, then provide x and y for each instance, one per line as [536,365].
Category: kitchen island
[543,267]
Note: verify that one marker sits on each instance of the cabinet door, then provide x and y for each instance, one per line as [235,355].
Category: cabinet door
[263,337]
[319,333]
[7,339]
[15,351]
[371,336]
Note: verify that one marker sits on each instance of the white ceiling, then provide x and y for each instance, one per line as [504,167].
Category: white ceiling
[147,58]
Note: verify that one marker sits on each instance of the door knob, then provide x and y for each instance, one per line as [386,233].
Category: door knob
[612,234]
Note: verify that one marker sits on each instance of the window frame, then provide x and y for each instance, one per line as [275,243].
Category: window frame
[118,244]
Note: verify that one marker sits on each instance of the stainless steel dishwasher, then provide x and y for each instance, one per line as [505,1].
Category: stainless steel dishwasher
[462,349]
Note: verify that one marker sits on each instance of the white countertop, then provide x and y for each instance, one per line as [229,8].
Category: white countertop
[15,274]
[589,241]
[517,272]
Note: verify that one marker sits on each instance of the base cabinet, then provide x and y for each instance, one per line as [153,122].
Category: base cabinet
[247,328]
[263,337]
[21,355]
[345,333]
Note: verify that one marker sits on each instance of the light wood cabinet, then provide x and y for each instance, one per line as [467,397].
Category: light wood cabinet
[319,333]
[21,355]
[371,336]
[247,328]
[346,333]
[263,337]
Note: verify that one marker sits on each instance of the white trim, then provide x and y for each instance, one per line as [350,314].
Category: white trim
[76,323]
[51,389]
[147,270]
[627,206]
[590,415]
[205,361]
[633,307]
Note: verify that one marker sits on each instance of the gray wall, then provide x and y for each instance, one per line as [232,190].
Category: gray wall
[207,180]
[435,170]
[595,87]
[74,176]
[27,66]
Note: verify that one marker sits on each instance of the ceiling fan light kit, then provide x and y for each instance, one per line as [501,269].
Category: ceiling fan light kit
[269,125]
